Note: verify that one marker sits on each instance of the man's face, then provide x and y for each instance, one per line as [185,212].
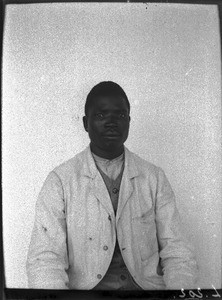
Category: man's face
[107,124]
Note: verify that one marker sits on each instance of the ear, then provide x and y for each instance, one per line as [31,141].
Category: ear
[85,123]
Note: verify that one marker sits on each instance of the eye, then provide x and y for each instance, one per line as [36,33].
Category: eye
[122,115]
[99,115]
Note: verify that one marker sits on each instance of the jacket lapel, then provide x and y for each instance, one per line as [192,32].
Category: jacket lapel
[98,187]
[101,193]
[126,188]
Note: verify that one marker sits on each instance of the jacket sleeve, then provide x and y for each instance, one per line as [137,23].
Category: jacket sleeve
[177,258]
[47,260]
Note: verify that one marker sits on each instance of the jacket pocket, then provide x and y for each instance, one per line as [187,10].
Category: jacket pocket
[144,228]
[152,268]
[145,217]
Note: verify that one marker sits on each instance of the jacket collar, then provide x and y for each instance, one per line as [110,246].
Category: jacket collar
[90,169]
[98,188]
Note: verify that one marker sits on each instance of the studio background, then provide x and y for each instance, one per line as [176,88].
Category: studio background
[167,59]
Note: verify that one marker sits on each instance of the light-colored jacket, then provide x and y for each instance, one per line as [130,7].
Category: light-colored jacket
[75,228]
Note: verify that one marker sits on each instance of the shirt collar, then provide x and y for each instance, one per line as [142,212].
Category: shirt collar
[90,169]
[106,161]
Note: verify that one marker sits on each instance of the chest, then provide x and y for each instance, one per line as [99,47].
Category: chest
[91,204]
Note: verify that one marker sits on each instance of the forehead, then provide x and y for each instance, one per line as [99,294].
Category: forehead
[109,103]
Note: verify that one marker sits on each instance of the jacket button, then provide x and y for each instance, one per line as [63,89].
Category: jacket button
[105,247]
[115,191]
[122,277]
[109,217]
[99,276]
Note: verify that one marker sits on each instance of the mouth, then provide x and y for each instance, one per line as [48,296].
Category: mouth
[111,135]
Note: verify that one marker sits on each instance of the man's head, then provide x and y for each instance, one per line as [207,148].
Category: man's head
[107,119]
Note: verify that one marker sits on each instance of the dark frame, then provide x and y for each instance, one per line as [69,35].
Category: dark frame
[11,293]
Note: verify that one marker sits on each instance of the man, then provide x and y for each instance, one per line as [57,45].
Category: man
[107,219]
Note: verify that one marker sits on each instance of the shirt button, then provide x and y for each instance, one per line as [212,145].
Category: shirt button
[122,277]
[105,247]
[99,276]
[109,217]
[115,191]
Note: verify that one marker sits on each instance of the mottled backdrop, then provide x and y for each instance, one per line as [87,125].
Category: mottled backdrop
[165,56]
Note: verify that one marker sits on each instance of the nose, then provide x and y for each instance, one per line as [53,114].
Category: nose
[111,121]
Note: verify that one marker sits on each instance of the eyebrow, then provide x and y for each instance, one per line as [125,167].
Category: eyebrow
[115,110]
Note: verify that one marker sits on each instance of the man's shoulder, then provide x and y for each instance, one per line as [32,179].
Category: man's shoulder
[71,166]
[144,166]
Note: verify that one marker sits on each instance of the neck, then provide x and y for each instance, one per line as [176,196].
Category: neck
[106,154]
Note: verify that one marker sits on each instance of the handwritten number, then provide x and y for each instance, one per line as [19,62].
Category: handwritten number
[198,295]
[184,295]
[193,295]
[217,294]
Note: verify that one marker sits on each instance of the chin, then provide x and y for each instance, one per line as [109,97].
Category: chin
[110,147]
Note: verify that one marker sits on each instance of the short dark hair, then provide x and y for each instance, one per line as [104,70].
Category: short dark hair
[105,88]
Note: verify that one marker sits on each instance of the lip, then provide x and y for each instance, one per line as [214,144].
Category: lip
[111,134]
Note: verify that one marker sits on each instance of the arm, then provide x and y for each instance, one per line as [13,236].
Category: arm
[47,260]
[177,259]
